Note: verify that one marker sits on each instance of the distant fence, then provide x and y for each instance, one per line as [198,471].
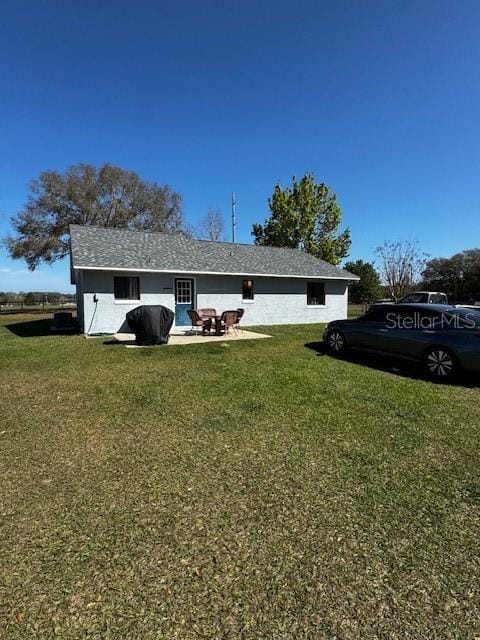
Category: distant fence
[16,306]
[355,310]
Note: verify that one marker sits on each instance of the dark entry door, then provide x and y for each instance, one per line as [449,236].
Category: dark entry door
[184,297]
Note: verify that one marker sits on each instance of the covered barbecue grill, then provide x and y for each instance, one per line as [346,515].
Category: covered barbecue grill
[151,324]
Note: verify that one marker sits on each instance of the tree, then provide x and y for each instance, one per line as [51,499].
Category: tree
[458,276]
[305,216]
[52,297]
[401,264]
[107,196]
[33,297]
[212,226]
[369,288]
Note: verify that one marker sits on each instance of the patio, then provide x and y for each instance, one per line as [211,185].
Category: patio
[178,337]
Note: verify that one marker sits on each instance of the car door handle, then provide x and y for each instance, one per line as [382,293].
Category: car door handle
[383,330]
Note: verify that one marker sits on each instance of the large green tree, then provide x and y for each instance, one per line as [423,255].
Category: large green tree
[305,216]
[457,276]
[105,196]
[369,287]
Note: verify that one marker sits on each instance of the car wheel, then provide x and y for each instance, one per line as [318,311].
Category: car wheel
[336,342]
[440,363]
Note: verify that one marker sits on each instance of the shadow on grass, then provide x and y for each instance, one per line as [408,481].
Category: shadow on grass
[35,328]
[124,343]
[390,364]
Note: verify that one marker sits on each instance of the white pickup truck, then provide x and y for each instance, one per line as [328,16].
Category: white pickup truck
[416,297]
[425,297]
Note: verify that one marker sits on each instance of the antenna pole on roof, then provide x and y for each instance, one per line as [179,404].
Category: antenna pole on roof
[234,211]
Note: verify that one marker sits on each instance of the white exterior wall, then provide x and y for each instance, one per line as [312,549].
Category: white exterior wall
[276,300]
[107,315]
[79,298]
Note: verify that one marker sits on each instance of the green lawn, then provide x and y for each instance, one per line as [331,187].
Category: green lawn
[256,489]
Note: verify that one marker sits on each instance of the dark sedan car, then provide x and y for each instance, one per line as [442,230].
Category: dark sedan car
[441,337]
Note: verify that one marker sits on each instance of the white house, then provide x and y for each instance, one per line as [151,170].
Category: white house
[116,270]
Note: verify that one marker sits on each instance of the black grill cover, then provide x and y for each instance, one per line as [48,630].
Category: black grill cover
[151,324]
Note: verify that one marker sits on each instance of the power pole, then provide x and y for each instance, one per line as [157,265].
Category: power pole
[234,211]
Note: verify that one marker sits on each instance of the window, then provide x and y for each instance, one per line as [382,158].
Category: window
[378,315]
[420,316]
[184,291]
[247,289]
[415,298]
[315,293]
[126,288]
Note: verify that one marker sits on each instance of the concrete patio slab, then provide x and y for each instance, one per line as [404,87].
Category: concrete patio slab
[177,338]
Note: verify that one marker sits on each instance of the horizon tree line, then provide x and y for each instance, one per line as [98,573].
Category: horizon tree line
[305,215]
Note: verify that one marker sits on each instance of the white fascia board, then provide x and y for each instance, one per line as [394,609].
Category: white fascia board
[216,273]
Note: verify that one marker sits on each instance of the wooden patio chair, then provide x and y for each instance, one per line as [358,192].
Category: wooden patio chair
[207,313]
[241,313]
[228,320]
[198,322]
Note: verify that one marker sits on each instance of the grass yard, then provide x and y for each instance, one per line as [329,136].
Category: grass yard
[259,490]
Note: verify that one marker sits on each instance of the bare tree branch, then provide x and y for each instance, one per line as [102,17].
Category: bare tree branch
[212,226]
[401,265]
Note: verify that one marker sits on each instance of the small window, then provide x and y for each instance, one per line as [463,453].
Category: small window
[315,293]
[184,291]
[415,298]
[126,288]
[379,315]
[247,289]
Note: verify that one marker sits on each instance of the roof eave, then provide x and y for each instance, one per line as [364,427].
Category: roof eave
[219,273]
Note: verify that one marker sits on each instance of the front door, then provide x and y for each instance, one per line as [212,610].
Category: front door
[184,295]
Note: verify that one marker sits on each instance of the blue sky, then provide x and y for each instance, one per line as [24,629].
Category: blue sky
[381,100]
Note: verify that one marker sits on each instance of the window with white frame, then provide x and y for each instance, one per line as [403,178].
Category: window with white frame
[184,291]
[315,294]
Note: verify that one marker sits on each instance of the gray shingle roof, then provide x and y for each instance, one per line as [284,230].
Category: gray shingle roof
[99,248]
